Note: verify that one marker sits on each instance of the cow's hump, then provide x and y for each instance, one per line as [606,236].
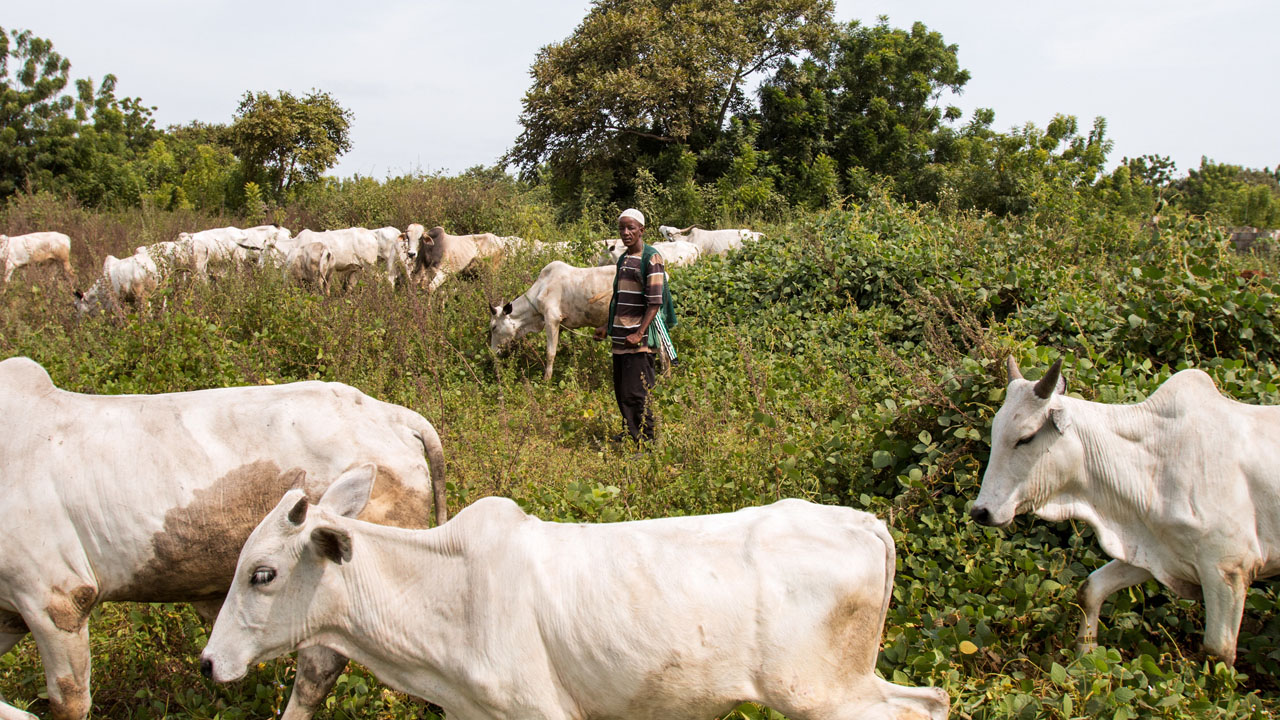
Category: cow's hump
[22,374]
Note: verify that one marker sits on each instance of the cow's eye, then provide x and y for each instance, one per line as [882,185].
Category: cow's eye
[262,576]
[1025,440]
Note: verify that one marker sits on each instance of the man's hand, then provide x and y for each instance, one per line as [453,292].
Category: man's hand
[602,332]
[635,338]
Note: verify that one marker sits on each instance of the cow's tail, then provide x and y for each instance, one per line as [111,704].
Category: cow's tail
[426,433]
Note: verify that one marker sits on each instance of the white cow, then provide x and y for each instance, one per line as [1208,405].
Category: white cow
[258,238]
[500,615]
[34,249]
[130,279]
[1183,487]
[353,249]
[311,263]
[391,253]
[711,242]
[675,253]
[562,296]
[216,249]
[148,498]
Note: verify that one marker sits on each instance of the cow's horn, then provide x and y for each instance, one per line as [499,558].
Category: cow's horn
[1014,372]
[1047,384]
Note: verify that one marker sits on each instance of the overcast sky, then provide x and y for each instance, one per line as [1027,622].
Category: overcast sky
[436,86]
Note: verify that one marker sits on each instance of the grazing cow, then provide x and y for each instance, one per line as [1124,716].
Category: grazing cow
[352,248]
[130,279]
[500,615]
[311,263]
[439,254]
[562,296]
[1183,487]
[34,249]
[711,242]
[148,498]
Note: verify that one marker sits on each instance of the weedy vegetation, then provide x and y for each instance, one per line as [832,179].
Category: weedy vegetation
[852,357]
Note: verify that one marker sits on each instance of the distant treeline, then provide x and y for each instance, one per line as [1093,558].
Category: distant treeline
[645,103]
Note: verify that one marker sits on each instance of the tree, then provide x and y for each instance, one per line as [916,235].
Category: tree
[1241,196]
[640,76]
[81,143]
[34,112]
[869,103]
[283,140]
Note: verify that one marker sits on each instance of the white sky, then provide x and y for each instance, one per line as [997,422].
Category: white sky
[436,86]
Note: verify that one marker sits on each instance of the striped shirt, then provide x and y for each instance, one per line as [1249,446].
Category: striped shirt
[635,295]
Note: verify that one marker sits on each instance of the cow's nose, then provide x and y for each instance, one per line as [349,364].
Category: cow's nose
[980,515]
[206,667]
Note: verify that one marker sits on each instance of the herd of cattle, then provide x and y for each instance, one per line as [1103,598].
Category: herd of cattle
[296,517]
[323,258]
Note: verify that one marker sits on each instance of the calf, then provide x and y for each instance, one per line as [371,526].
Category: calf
[1183,487]
[562,296]
[500,615]
[34,249]
[148,498]
[311,263]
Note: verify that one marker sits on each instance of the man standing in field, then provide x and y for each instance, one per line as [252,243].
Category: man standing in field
[640,314]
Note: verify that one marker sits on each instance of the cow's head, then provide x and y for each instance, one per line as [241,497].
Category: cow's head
[506,327]
[285,579]
[1033,454]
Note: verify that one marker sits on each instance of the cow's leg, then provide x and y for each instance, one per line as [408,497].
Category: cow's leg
[1225,590]
[553,341]
[207,609]
[62,636]
[318,670]
[12,630]
[1101,583]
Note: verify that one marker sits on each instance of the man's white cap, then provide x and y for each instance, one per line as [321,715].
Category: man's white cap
[634,214]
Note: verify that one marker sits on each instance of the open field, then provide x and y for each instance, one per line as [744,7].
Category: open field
[852,357]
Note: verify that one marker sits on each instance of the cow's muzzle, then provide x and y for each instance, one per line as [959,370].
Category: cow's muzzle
[981,515]
[206,667]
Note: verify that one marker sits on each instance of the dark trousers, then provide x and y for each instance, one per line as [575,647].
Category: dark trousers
[632,381]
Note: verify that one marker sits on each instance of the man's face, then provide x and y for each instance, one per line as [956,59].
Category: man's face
[631,232]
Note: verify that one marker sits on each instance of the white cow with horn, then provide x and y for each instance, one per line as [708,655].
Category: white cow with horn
[149,498]
[500,615]
[1183,487]
[562,296]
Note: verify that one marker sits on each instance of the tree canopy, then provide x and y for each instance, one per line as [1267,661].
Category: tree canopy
[284,140]
[639,76]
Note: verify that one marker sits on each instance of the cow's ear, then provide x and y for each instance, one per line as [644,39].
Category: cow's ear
[1061,418]
[348,495]
[332,543]
[506,309]
[493,309]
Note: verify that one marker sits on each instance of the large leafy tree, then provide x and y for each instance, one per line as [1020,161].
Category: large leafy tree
[35,114]
[82,143]
[639,77]
[871,104]
[284,140]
